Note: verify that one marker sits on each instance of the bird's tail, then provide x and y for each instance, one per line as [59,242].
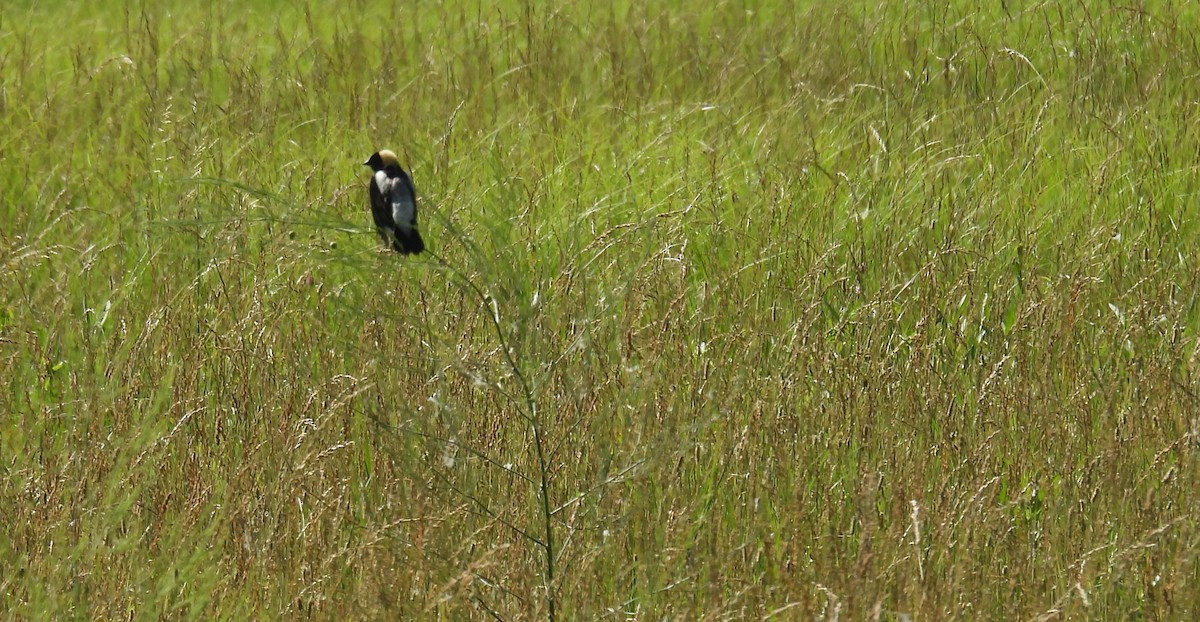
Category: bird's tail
[408,242]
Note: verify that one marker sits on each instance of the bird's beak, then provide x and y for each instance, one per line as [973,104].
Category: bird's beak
[367,163]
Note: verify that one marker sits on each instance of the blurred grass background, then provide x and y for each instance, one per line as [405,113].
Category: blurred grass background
[860,310]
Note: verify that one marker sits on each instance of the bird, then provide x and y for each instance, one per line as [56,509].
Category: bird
[394,204]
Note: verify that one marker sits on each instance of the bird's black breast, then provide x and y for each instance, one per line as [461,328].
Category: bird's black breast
[380,210]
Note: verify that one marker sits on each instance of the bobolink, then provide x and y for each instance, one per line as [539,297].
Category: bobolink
[394,204]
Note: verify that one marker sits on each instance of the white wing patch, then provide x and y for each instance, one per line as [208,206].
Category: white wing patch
[403,207]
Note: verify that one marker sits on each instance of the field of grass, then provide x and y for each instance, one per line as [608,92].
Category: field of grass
[819,310]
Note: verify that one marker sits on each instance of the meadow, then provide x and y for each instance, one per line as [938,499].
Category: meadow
[731,311]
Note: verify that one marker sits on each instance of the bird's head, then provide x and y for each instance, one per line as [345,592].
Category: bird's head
[382,159]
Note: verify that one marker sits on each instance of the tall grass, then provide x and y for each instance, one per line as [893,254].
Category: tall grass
[734,311]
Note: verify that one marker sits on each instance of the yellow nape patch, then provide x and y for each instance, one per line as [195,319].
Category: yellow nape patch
[388,157]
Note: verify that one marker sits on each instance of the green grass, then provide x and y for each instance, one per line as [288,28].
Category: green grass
[830,311]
